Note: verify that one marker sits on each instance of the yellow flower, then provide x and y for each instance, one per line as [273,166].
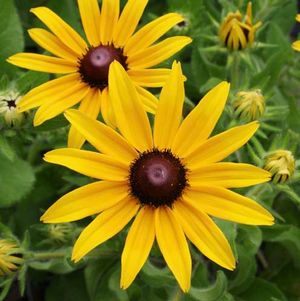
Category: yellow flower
[237,34]
[281,164]
[249,105]
[171,181]
[8,108]
[110,37]
[296,45]
[8,261]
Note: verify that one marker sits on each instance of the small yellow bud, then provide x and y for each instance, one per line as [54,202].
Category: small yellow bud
[60,233]
[9,261]
[8,108]
[249,105]
[236,33]
[281,164]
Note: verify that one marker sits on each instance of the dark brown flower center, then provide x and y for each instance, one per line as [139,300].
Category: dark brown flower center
[157,178]
[94,65]
[11,103]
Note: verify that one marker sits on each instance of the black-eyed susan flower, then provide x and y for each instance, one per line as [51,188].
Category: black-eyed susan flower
[236,33]
[281,164]
[249,105]
[9,261]
[296,44]
[110,37]
[8,108]
[170,180]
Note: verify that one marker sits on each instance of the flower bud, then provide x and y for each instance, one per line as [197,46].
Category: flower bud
[249,105]
[236,33]
[9,259]
[60,233]
[281,164]
[8,108]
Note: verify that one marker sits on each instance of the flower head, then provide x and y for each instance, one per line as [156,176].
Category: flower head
[110,37]
[281,164]
[9,262]
[296,44]
[8,108]
[249,105]
[236,33]
[170,180]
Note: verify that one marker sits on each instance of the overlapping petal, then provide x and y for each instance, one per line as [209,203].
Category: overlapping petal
[85,201]
[104,226]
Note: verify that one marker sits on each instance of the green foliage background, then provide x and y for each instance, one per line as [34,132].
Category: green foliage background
[268,257]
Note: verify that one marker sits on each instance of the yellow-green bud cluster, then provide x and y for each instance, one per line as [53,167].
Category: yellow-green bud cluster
[281,164]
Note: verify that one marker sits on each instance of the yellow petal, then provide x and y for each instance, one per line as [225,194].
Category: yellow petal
[51,43]
[149,101]
[222,145]
[199,124]
[131,117]
[157,53]
[109,18]
[298,18]
[43,63]
[173,246]
[107,110]
[229,175]
[151,32]
[228,205]
[128,21]
[89,106]
[89,163]
[138,245]
[296,45]
[49,92]
[61,29]
[102,137]
[85,201]
[90,18]
[205,235]
[104,226]
[152,78]
[52,109]
[169,111]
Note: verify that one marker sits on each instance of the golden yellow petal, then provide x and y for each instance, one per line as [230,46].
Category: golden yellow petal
[128,21]
[43,63]
[89,106]
[157,53]
[51,43]
[49,92]
[52,109]
[138,245]
[205,235]
[149,101]
[229,175]
[296,45]
[152,78]
[104,226]
[107,110]
[89,163]
[222,145]
[173,246]
[131,116]
[61,29]
[109,18]
[151,32]
[85,201]
[228,205]
[199,124]
[169,111]
[90,18]
[102,137]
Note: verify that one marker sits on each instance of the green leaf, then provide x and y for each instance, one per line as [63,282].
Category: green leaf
[262,290]
[16,180]
[212,293]
[11,35]
[6,149]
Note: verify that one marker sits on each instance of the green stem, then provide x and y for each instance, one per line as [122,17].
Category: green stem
[235,70]
[47,255]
